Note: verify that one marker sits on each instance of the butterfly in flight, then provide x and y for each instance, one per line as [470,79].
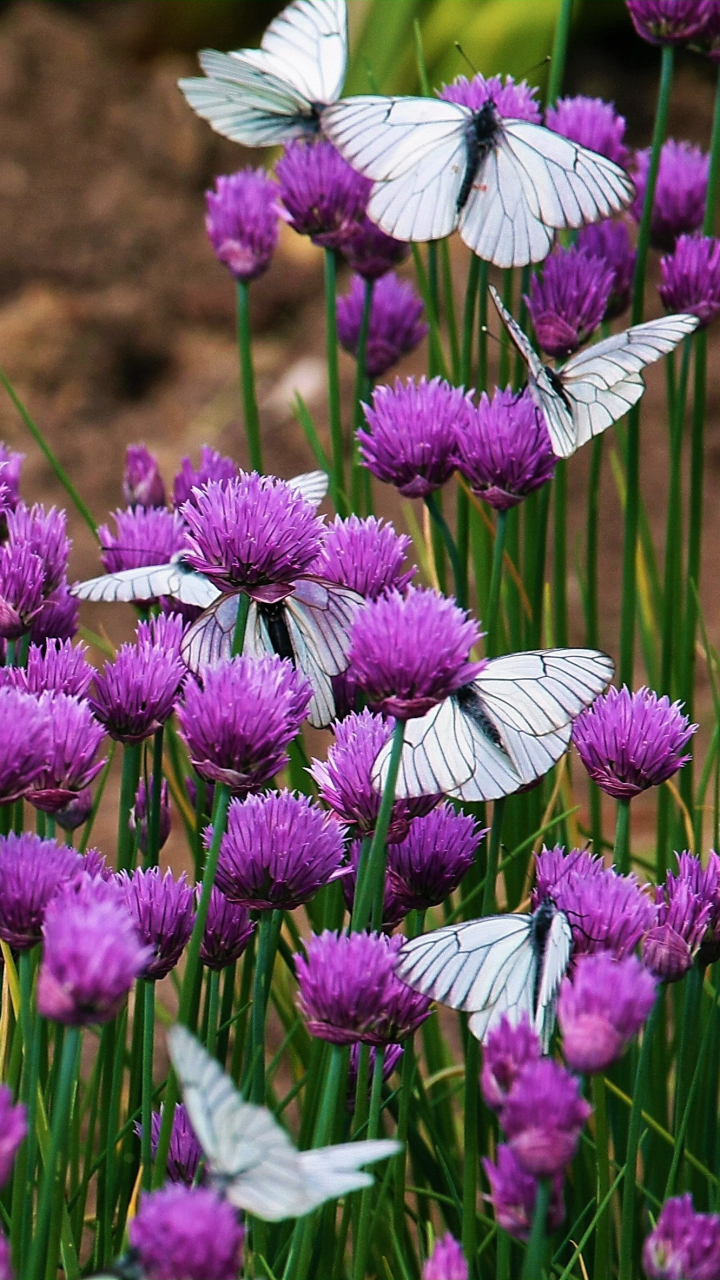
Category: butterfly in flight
[597,387]
[506,185]
[509,965]
[266,96]
[250,1157]
[501,732]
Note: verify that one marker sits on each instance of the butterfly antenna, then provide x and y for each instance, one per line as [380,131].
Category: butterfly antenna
[489,334]
[536,66]
[465,58]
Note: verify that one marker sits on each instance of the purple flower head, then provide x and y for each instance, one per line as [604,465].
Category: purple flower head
[690,278]
[185,1151]
[394,906]
[391,1062]
[164,631]
[136,693]
[507,1050]
[511,100]
[6,1271]
[684,1245]
[60,667]
[22,578]
[228,929]
[709,37]
[513,1194]
[77,810]
[684,914]
[680,193]
[432,859]
[213,466]
[568,299]
[370,252]
[668,21]
[92,954]
[446,1262]
[592,123]
[238,723]
[395,326]
[607,912]
[25,742]
[411,651]
[251,532]
[413,433]
[554,865]
[58,618]
[242,222]
[45,534]
[505,451]
[365,554]
[76,738]
[142,483]
[278,850]
[705,882]
[138,820]
[602,1008]
[322,196]
[13,1128]
[10,466]
[344,781]
[610,242]
[349,992]
[187,1231]
[145,536]
[163,910]
[542,1117]
[95,867]
[631,741]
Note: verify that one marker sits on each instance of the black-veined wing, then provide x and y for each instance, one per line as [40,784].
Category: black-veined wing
[555,960]
[149,583]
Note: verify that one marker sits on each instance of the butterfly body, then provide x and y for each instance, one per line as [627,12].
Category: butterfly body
[481,134]
[273,616]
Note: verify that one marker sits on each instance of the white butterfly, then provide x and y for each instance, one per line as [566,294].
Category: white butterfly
[250,1157]
[505,184]
[262,97]
[503,731]
[501,965]
[597,387]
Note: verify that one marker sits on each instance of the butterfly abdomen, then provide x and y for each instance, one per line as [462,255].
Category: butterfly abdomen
[273,615]
[557,385]
[482,130]
[471,705]
[540,928]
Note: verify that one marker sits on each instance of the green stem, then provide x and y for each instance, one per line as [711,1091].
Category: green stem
[369,893]
[331,340]
[538,580]
[449,543]
[240,624]
[591,542]
[58,1135]
[559,52]
[470,1153]
[627,1226]
[154,802]
[362,1240]
[301,1248]
[358,471]
[533,1265]
[602,1164]
[560,553]
[488,905]
[622,837]
[493,604]
[672,592]
[148,993]
[132,755]
[247,376]
[268,933]
[692,578]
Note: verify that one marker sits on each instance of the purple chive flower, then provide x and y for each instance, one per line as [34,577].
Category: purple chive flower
[542,1117]
[568,299]
[145,536]
[349,992]
[185,1151]
[513,1194]
[668,21]
[228,929]
[429,864]
[165,631]
[683,917]
[58,618]
[507,1050]
[601,1008]
[25,742]
[278,850]
[592,123]
[705,883]
[60,667]
[163,910]
[92,954]
[187,1231]
[242,222]
[554,865]
[139,815]
[607,912]
[6,1271]
[446,1262]
[680,193]
[366,555]
[370,252]
[684,1245]
[251,532]
[412,434]
[142,483]
[22,579]
[76,811]
[631,741]
[410,652]
[391,1062]
[511,100]
[322,196]
[690,278]
[238,724]
[136,693]
[45,534]
[13,1128]
[76,738]
[10,467]
[395,326]
[345,783]
[505,451]
[609,241]
[213,466]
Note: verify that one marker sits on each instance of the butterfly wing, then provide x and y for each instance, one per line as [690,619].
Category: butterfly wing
[556,959]
[309,41]
[414,150]
[208,640]
[311,485]
[149,583]
[542,690]
[331,1172]
[529,355]
[319,618]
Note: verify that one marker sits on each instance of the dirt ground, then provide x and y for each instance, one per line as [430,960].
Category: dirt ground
[117,323]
